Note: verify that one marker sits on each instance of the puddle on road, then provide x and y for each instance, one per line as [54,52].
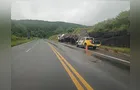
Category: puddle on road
[92,59]
[118,65]
[98,59]
[88,53]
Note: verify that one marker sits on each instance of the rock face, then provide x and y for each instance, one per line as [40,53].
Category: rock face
[118,38]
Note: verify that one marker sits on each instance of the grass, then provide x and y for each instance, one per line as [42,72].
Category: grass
[19,40]
[54,38]
[116,49]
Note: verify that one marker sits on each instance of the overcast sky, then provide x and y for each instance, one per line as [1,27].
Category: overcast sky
[86,12]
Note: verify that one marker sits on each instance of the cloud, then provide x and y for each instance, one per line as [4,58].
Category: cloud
[87,12]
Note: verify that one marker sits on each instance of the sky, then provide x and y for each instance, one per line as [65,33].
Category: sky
[86,12]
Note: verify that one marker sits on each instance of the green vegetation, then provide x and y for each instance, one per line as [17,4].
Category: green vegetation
[78,30]
[116,49]
[54,38]
[42,29]
[19,40]
[121,22]
[36,28]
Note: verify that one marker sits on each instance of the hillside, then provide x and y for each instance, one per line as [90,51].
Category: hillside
[119,23]
[41,29]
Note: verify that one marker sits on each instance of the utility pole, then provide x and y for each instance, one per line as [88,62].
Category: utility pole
[28,35]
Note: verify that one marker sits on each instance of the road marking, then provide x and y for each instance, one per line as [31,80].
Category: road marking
[112,57]
[76,73]
[73,70]
[31,47]
[28,50]
[75,81]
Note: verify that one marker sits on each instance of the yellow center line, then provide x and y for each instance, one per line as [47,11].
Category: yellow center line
[75,81]
[77,74]
[74,71]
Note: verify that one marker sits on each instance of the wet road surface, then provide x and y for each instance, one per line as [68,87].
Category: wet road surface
[39,65]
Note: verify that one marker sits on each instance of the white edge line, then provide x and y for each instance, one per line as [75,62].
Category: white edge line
[113,57]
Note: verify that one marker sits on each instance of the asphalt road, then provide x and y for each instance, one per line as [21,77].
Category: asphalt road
[47,65]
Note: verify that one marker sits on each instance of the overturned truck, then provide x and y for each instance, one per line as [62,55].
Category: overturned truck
[68,38]
[72,38]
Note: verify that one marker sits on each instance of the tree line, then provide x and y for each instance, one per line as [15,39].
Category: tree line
[41,29]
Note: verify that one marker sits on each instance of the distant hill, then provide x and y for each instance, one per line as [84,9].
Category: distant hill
[42,29]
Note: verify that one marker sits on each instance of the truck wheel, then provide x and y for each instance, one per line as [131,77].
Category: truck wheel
[94,48]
